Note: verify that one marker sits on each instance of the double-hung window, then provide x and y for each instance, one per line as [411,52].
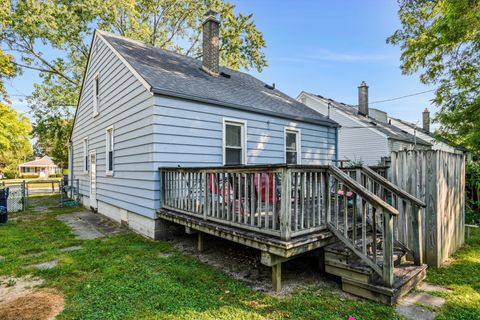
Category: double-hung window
[85,155]
[109,151]
[234,143]
[292,146]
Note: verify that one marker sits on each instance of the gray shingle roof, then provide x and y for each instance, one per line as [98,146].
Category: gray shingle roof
[391,131]
[178,75]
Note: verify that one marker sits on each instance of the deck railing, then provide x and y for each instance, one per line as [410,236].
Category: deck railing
[288,201]
[408,224]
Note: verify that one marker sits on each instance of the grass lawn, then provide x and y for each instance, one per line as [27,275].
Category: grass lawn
[462,275]
[124,277]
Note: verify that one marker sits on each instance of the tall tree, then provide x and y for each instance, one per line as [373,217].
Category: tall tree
[51,36]
[15,146]
[441,39]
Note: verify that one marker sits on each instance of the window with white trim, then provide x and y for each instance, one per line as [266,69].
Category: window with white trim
[292,146]
[109,151]
[96,93]
[85,155]
[234,143]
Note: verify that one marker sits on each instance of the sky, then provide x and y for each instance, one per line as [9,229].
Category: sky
[323,47]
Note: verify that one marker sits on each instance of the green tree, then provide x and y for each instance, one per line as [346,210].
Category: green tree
[441,40]
[15,146]
[65,28]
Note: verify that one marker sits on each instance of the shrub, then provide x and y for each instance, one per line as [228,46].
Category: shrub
[472,192]
[55,175]
[29,176]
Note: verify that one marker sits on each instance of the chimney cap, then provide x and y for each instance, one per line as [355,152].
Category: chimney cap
[211,15]
[363,84]
[426,110]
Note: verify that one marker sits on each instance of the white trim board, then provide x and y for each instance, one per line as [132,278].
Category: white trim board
[244,136]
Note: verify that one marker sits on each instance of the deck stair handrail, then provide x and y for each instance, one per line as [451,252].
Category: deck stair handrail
[408,224]
[286,202]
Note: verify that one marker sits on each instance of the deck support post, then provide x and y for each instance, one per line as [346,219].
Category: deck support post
[277,277]
[200,242]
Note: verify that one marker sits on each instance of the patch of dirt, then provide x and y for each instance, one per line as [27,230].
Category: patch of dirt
[20,299]
[243,263]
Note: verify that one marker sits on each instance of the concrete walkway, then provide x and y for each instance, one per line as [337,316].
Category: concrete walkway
[87,225]
[421,305]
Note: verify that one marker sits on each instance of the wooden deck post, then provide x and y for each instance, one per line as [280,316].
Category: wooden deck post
[200,242]
[286,206]
[277,277]
[388,248]
[417,245]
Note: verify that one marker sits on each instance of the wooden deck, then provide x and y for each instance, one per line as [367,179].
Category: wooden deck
[285,210]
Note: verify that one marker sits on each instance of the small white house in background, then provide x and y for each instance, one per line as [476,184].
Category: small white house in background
[425,134]
[365,134]
[43,167]
[142,108]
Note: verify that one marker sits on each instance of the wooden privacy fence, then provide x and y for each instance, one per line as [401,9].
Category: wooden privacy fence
[438,179]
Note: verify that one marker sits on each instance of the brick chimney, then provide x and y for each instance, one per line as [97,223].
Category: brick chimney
[426,120]
[211,43]
[363,99]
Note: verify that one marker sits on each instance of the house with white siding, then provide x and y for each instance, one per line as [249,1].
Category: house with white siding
[425,134]
[142,108]
[365,134]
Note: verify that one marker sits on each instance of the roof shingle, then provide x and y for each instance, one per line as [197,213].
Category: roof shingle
[173,74]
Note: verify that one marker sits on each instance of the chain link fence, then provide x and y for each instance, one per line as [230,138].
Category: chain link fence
[17,200]
[19,192]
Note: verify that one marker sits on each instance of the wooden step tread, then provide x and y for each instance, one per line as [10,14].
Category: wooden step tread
[407,276]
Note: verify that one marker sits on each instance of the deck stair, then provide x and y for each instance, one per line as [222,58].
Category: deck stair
[359,279]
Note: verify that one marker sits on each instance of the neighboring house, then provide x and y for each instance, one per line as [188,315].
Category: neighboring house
[425,134]
[142,108]
[365,134]
[43,167]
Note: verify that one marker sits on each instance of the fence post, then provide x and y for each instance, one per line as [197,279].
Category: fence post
[417,236]
[388,248]
[286,205]
[25,195]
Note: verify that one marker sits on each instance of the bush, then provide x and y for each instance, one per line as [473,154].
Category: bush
[29,176]
[472,192]
[55,175]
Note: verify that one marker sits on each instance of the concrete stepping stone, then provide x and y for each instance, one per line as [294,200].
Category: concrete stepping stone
[428,287]
[425,298]
[72,248]
[44,265]
[414,312]
[417,306]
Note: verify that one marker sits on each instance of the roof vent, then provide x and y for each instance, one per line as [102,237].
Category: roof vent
[271,87]
[225,75]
